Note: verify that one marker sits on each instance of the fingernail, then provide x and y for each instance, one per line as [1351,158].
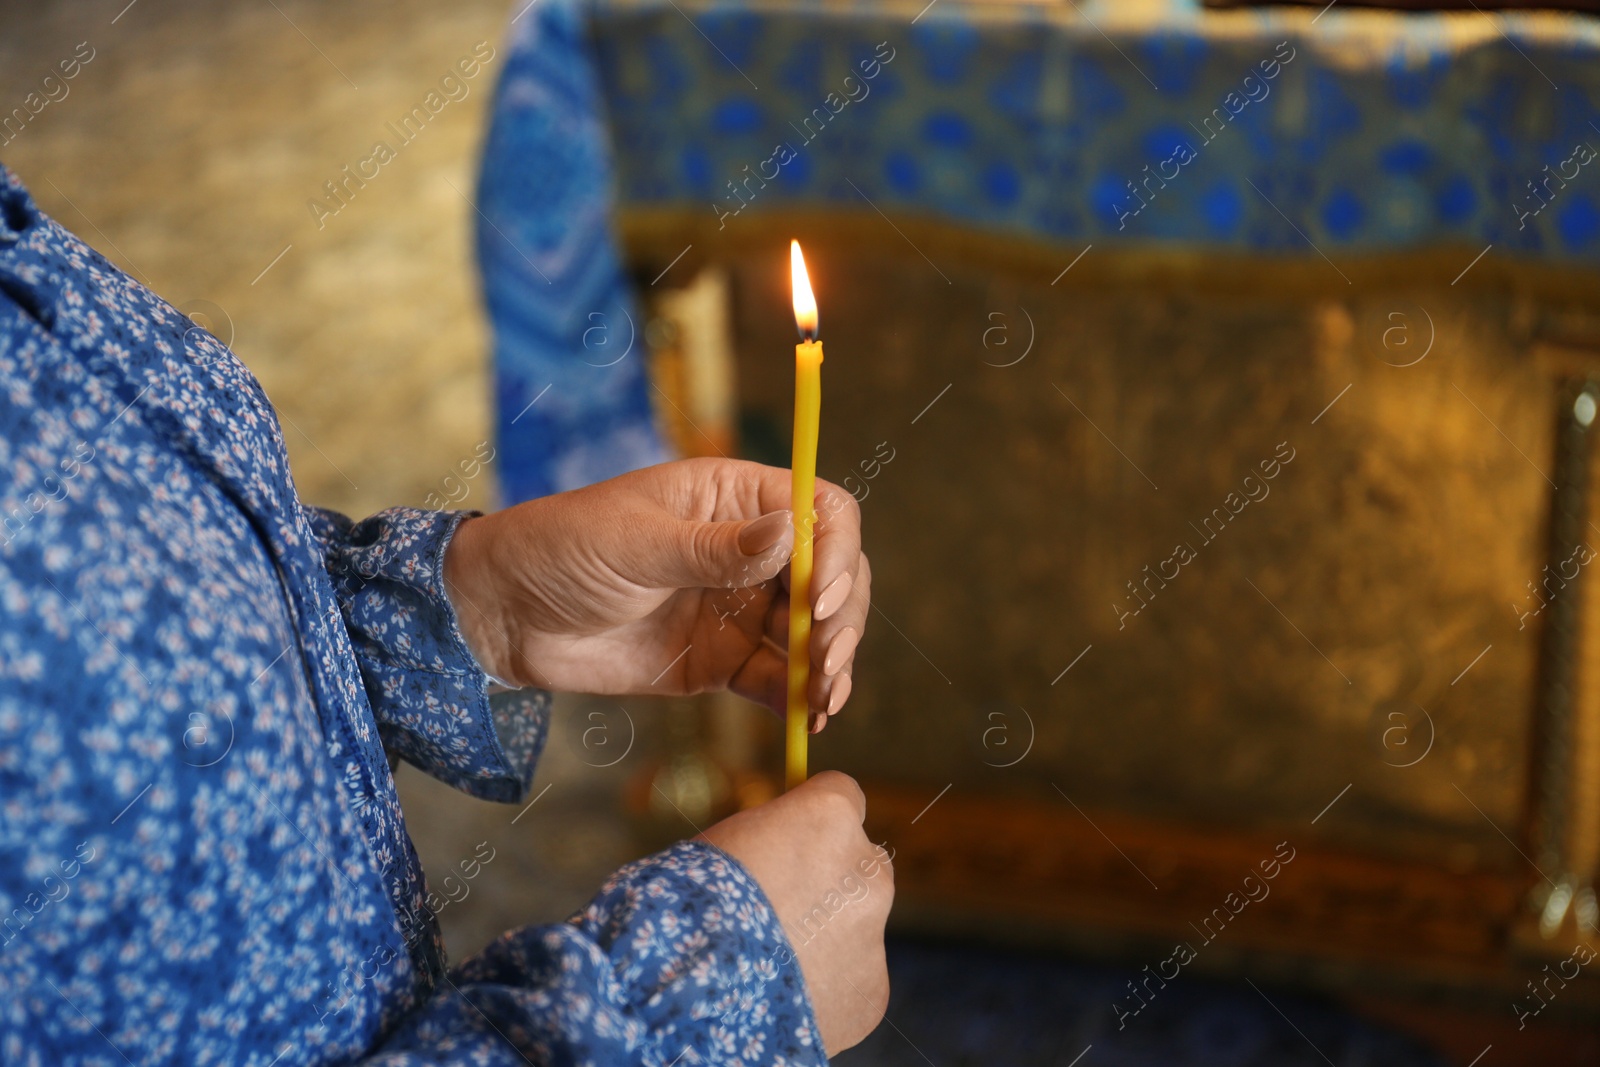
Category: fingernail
[841,693]
[818,722]
[832,598]
[839,649]
[761,534]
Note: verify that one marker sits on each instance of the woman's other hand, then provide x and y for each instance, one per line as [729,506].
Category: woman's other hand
[832,890]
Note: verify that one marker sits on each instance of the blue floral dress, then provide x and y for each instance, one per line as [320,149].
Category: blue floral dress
[202,855]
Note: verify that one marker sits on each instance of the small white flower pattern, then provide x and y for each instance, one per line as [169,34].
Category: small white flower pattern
[202,855]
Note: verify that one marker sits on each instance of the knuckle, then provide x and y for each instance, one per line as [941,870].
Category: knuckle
[834,502]
[863,579]
[704,543]
[852,507]
[839,790]
[838,808]
[836,780]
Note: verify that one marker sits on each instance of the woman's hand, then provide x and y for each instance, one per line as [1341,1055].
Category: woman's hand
[832,890]
[672,579]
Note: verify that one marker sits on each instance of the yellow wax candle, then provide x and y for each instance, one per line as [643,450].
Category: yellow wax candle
[807,409]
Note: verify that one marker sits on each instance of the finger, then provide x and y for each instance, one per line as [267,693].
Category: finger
[834,639]
[837,784]
[836,548]
[842,684]
[838,652]
[825,696]
[661,552]
[833,646]
[764,678]
[820,687]
[740,490]
[777,623]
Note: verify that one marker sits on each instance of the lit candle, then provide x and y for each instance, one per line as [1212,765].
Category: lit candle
[807,408]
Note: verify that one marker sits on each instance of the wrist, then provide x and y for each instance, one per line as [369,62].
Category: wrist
[467,568]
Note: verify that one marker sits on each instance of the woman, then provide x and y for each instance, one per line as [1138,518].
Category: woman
[204,858]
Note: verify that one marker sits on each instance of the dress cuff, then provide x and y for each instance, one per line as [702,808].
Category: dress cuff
[429,695]
[708,965]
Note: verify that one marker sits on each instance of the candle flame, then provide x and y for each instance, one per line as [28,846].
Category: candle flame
[805,302]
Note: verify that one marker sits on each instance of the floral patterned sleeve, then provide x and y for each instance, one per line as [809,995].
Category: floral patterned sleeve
[678,960]
[429,695]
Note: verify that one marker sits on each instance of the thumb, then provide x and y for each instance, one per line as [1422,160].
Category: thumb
[729,555]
